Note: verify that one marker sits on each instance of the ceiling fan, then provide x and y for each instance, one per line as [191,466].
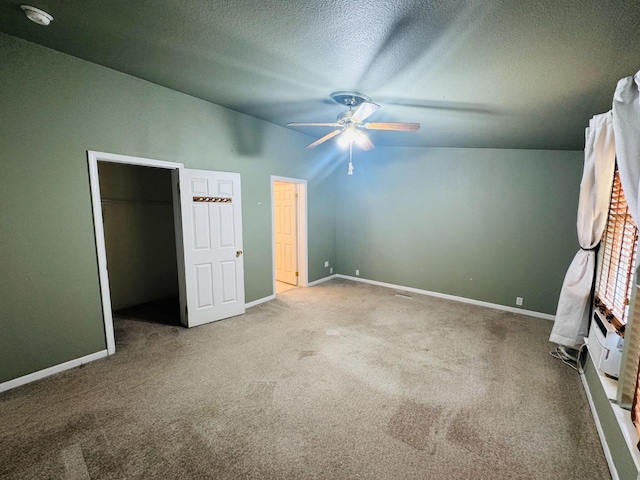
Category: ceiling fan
[350,124]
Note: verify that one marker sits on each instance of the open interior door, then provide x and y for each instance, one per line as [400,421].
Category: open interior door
[286,228]
[209,231]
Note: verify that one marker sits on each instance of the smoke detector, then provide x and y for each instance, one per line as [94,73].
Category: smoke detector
[36,15]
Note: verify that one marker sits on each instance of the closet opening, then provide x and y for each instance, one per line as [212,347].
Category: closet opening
[140,242]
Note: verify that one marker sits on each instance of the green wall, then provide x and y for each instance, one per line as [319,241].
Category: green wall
[484,224]
[53,109]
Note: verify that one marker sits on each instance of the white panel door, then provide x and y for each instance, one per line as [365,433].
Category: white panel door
[285,212]
[211,218]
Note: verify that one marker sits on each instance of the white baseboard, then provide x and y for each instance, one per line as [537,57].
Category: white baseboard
[32,377]
[419,291]
[603,440]
[322,280]
[259,301]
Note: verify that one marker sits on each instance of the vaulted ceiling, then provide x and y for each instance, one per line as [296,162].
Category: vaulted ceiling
[488,74]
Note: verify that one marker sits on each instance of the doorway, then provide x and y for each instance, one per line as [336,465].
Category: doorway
[140,242]
[96,158]
[289,224]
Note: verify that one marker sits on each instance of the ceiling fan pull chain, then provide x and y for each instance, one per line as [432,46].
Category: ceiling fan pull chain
[350,171]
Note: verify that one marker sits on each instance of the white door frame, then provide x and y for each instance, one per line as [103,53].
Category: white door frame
[302,251]
[94,158]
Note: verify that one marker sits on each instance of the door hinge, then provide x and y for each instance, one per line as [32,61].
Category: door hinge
[295,195]
[178,187]
[296,274]
[186,312]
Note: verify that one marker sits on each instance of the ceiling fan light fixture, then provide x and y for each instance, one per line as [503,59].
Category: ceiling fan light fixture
[36,15]
[348,137]
[361,138]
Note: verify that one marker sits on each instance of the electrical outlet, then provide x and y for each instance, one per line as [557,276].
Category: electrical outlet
[326,264]
[331,270]
[519,301]
[357,273]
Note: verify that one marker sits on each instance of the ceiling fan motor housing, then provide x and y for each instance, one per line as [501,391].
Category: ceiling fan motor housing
[345,117]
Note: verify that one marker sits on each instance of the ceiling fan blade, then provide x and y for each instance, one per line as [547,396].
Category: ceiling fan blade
[364,110]
[398,127]
[312,124]
[324,139]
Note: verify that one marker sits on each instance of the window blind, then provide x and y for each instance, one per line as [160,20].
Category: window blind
[635,408]
[617,257]
[627,382]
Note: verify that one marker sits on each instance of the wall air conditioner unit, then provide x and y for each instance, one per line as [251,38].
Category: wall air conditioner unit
[605,345]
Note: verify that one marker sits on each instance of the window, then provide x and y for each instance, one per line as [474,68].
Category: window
[614,288]
[616,260]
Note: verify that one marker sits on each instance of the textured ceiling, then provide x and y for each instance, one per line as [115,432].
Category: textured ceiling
[501,74]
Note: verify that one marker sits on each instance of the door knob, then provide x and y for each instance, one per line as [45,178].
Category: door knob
[238,253]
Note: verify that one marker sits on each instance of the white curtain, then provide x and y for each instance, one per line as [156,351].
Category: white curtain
[626,124]
[571,323]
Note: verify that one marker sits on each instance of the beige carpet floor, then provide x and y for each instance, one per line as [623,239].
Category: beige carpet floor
[339,381]
[282,287]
